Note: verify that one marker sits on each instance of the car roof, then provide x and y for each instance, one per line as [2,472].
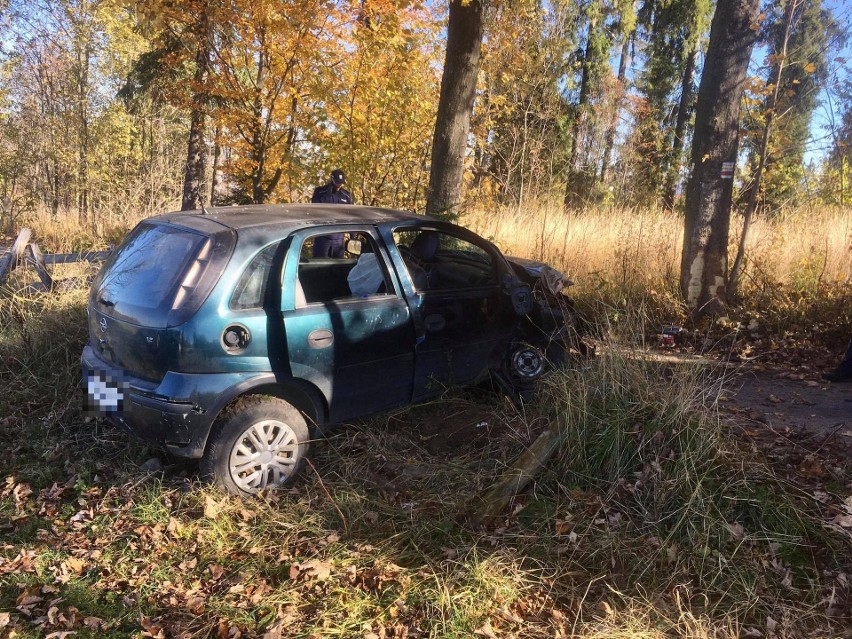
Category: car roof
[286,217]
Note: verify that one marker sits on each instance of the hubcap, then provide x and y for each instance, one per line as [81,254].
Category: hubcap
[264,456]
[527,363]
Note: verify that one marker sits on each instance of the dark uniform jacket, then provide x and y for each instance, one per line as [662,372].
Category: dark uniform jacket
[327,195]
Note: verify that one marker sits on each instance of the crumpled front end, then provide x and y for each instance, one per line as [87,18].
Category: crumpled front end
[554,325]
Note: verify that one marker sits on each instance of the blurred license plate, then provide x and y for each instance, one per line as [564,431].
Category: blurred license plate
[104,393]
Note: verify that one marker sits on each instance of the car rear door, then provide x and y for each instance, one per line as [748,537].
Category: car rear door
[358,350]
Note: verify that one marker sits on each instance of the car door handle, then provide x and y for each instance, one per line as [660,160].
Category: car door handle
[321,338]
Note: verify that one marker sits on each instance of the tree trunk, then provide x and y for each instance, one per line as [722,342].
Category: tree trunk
[83,62]
[576,190]
[709,191]
[196,156]
[455,105]
[622,91]
[215,172]
[258,137]
[754,189]
[684,109]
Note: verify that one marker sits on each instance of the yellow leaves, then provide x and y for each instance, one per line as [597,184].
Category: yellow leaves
[75,564]
[810,67]
[212,508]
[755,26]
[754,84]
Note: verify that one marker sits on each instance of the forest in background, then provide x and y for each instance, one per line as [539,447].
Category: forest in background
[588,103]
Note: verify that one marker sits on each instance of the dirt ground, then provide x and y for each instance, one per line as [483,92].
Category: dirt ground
[820,408]
[803,427]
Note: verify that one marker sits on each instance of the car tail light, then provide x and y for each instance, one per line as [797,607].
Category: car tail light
[193,275]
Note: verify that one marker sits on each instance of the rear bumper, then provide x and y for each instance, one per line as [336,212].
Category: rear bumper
[177,414]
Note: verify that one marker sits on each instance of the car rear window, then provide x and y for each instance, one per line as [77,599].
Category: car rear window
[153,274]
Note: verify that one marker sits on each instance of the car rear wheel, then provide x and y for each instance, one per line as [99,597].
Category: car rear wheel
[260,442]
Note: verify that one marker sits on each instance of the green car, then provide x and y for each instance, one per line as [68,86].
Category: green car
[229,335]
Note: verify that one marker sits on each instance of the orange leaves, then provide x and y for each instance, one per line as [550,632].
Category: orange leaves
[311,569]
[755,26]
[379,112]
[43,607]
[296,88]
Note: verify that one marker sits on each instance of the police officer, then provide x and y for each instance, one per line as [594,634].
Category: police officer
[331,193]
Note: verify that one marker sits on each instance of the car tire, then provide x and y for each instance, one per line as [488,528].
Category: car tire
[522,368]
[525,364]
[260,442]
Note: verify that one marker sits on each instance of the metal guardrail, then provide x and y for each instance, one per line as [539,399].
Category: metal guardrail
[24,251]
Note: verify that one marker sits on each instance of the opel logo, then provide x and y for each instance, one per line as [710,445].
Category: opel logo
[103,324]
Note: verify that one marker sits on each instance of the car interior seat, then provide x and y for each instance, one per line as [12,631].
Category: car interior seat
[417,259]
[425,246]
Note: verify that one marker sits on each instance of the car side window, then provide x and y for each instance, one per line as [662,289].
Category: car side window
[250,291]
[440,261]
[345,277]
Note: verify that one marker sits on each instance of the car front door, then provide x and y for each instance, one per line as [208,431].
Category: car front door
[464,312]
[357,348]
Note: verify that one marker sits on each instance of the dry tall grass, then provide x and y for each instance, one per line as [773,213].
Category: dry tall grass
[625,245]
[630,246]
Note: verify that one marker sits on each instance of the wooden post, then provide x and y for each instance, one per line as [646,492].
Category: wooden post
[8,264]
[37,260]
[521,473]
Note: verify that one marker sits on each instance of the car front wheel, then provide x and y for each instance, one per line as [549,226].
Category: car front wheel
[522,368]
[258,443]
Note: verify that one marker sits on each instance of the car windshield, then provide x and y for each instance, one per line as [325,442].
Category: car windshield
[439,261]
[447,245]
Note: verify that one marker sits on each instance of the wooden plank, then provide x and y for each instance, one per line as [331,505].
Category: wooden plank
[515,479]
[8,264]
[37,260]
[68,258]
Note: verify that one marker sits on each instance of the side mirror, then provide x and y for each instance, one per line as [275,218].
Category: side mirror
[353,247]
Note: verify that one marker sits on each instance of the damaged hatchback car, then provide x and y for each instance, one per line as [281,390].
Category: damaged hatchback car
[222,336]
